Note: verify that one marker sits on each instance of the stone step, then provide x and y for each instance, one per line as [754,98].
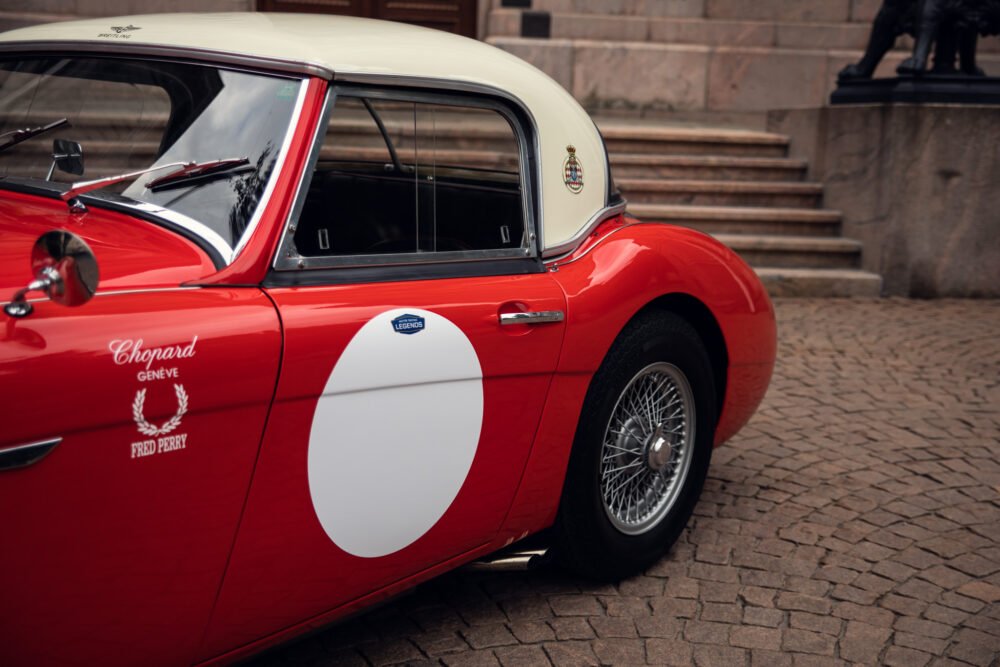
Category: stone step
[721,193]
[100,157]
[105,158]
[620,138]
[785,282]
[861,11]
[707,167]
[801,10]
[795,252]
[653,150]
[360,132]
[736,220]
[817,23]
[669,140]
[622,7]
[706,32]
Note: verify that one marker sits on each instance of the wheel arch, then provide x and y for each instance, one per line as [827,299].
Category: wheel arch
[699,316]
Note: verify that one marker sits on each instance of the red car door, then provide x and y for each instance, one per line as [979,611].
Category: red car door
[116,541]
[403,418]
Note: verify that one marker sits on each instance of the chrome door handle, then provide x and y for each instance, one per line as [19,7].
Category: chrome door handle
[533,317]
[20,456]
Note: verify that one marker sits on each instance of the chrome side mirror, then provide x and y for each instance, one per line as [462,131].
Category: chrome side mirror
[67,156]
[65,269]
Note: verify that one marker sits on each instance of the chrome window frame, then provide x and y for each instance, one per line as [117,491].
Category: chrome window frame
[288,257]
[276,171]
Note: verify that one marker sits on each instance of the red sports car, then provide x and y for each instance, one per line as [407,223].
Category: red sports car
[302,311]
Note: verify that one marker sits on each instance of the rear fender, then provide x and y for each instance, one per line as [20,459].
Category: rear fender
[607,282]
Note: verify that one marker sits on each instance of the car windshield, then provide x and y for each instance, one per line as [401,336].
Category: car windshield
[129,115]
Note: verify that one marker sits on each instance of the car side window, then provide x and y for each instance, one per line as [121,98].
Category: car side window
[429,178]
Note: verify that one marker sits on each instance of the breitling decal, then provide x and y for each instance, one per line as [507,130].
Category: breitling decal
[120,32]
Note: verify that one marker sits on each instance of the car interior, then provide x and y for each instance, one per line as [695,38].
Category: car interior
[399,177]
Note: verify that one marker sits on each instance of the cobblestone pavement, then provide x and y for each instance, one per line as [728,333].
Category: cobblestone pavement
[856,519]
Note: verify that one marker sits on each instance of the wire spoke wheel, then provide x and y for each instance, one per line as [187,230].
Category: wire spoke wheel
[641,451]
[648,447]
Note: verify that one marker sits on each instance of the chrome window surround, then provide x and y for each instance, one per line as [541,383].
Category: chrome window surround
[199,57]
[288,258]
[279,165]
[117,292]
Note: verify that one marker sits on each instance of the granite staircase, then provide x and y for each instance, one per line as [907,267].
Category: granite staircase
[742,188]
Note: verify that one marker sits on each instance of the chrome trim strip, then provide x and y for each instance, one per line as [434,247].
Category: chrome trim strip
[573,243]
[148,290]
[288,257]
[20,456]
[123,49]
[404,259]
[139,290]
[555,265]
[535,317]
[279,165]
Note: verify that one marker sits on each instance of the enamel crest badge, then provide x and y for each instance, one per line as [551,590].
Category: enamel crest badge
[572,171]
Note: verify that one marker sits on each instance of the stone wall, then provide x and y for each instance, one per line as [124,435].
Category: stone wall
[917,184]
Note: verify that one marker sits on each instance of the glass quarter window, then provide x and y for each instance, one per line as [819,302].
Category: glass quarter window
[409,180]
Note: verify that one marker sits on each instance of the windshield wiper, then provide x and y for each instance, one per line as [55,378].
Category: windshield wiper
[184,171]
[193,171]
[8,139]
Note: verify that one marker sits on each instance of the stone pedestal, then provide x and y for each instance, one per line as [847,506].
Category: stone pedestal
[923,89]
[919,185]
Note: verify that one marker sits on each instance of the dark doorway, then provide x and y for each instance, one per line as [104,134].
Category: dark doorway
[458,16]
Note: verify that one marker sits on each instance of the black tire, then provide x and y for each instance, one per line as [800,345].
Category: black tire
[592,536]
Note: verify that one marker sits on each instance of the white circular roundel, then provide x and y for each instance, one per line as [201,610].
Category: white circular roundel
[395,431]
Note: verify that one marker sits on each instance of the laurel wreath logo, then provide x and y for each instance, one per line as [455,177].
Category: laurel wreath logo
[147,428]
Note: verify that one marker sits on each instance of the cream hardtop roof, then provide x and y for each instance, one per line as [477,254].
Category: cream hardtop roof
[348,48]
